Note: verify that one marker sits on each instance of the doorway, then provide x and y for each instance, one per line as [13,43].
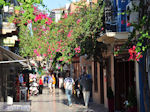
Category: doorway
[124,79]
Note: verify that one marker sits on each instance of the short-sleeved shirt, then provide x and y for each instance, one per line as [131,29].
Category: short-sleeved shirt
[54,80]
[40,82]
[69,83]
[50,79]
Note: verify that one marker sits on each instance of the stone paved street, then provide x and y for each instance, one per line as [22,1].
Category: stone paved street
[58,103]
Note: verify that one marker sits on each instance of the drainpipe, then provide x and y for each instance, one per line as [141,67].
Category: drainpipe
[141,85]
[137,84]
[148,66]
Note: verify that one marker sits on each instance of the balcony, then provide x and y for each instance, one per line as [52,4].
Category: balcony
[113,20]
[7,11]
[5,26]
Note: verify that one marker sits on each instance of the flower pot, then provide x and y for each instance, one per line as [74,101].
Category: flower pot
[111,105]
[132,109]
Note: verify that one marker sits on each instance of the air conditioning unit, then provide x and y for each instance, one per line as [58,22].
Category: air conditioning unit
[133,16]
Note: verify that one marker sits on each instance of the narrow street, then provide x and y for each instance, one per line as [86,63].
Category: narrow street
[98,48]
[58,103]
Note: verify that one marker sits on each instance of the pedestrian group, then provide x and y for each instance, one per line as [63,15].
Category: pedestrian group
[84,84]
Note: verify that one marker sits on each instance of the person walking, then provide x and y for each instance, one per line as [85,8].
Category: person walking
[68,85]
[40,85]
[53,83]
[86,84]
[50,81]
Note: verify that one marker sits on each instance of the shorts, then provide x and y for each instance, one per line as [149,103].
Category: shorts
[53,85]
[50,85]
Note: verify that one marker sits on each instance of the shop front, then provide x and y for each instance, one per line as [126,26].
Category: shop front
[11,65]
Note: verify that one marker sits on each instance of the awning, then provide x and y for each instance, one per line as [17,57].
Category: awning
[111,37]
[7,56]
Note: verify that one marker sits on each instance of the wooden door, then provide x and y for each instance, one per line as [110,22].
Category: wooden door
[124,78]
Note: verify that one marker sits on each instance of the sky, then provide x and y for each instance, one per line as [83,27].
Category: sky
[53,4]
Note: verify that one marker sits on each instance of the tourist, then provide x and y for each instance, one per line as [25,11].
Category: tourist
[50,81]
[53,83]
[86,83]
[40,85]
[68,85]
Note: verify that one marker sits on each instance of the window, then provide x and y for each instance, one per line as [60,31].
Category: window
[95,77]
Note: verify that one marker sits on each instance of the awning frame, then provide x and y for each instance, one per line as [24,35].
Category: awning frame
[12,57]
[113,37]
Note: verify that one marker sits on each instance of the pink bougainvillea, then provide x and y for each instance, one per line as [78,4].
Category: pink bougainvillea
[70,13]
[65,16]
[128,24]
[77,49]
[44,55]
[36,52]
[61,59]
[34,28]
[43,16]
[78,21]
[29,21]
[57,50]
[135,56]
[69,34]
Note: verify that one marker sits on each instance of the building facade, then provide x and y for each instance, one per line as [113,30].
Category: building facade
[10,63]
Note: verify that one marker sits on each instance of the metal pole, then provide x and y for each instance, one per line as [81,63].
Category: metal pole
[14,61]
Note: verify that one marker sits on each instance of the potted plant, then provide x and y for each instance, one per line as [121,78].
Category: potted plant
[131,102]
[110,96]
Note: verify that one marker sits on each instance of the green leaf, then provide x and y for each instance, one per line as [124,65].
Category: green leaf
[139,44]
[143,48]
[138,49]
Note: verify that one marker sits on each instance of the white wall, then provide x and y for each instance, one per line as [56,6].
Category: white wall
[58,15]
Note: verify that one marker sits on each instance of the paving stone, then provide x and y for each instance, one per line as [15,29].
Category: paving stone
[50,102]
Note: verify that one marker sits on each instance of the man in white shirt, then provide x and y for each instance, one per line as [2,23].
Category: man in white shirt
[68,85]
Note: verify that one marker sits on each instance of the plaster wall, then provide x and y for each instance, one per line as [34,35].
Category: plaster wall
[96,94]
[86,64]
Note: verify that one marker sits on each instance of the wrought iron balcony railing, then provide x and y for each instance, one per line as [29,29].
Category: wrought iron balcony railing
[113,20]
